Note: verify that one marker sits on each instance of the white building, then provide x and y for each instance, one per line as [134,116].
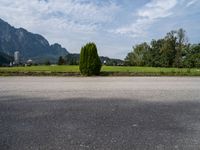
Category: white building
[29,62]
[16,58]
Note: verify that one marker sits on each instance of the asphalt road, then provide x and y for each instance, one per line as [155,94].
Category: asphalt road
[102,113]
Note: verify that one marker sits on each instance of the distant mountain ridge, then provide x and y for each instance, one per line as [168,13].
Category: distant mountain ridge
[31,46]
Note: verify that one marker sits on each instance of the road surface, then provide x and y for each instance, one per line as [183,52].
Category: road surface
[99,113]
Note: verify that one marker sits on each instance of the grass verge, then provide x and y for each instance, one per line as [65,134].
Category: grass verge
[106,71]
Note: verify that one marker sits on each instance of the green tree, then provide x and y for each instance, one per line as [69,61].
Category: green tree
[90,63]
[192,58]
[181,44]
[168,50]
[61,61]
[138,56]
[47,63]
[72,59]
[129,60]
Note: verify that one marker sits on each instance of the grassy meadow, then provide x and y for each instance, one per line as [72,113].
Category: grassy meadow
[105,71]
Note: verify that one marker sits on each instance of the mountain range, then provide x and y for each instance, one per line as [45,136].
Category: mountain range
[31,46]
[35,47]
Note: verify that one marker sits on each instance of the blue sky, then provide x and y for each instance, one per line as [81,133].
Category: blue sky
[114,25]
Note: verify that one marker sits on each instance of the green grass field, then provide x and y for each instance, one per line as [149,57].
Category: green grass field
[106,71]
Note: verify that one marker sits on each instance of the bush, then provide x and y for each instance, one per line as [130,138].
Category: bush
[47,63]
[90,63]
[61,61]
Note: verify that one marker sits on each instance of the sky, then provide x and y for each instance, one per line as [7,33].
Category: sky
[114,25]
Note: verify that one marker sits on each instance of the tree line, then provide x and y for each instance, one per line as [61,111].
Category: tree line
[73,59]
[173,50]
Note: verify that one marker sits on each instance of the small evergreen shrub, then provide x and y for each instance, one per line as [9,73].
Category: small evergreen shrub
[90,63]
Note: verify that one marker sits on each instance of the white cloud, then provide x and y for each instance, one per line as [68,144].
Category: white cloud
[67,14]
[72,23]
[191,3]
[68,22]
[147,15]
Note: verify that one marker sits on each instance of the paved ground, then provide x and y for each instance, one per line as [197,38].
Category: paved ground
[40,113]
